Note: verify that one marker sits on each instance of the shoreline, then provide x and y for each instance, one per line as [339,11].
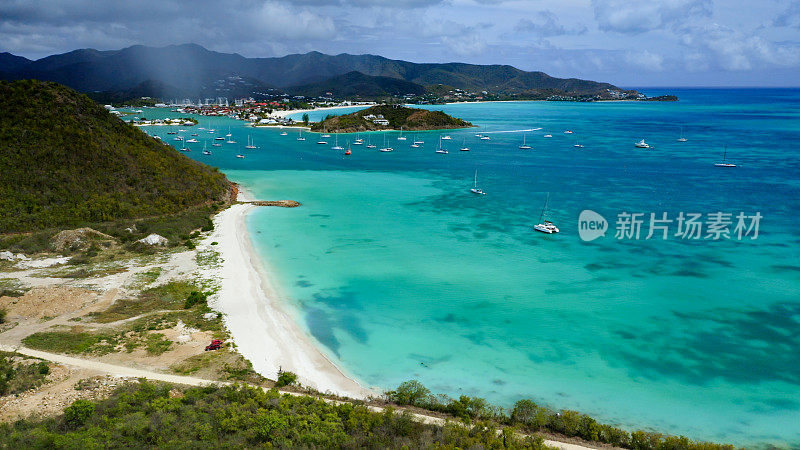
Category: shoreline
[261,329]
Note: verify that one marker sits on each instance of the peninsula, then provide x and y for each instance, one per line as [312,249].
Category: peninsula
[389,117]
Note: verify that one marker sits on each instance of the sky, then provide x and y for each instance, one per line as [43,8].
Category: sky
[630,43]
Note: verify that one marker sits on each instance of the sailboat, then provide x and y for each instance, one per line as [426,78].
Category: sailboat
[348,152]
[336,146]
[401,137]
[578,145]
[418,142]
[300,136]
[185,147]
[446,138]
[682,139]
[358,140]
[205,152]
[440,149]
[464,148]
[642,144]
[385,148]
[475,189]
[283,133]
[545,226]
[724,157]
[370,144]
[322,141]
[250,144]
[548,135]
[524,146]
[485,137]
[229,132]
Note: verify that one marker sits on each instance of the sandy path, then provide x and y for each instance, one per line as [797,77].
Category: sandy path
[129,372]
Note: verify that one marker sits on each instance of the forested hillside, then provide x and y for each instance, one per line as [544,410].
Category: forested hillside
[66,161]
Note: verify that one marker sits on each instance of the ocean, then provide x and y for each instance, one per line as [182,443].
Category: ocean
[400,273]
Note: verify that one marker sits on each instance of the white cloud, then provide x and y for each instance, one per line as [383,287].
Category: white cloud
[646,60]
[636,17]
[733,50]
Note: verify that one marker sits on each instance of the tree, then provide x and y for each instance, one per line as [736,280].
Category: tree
[305,118]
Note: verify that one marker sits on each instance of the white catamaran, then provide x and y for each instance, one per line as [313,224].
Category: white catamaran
[475,189]
[545,226]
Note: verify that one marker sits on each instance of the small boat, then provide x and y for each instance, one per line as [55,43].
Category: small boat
[464,148]
[358,141]
[250,144]
[230,141]
[337,146]
[401,137]
[192,140]
[172,132]
[682,139]
[240,156]
[545,226]
[414,145]
[219,138]
[283,133]
[568,132]
[548,135]
[447,138]
[578,145]
[475,189]
[322,142]
[181,131]
[194,134]
[216,145]
[524,146]
[440,149]
[386,148]
[642,144]
[724,158]
[300,136]
[206,152]
[157,137]
[418,142]
[485,138]
[229,132]
[177,138]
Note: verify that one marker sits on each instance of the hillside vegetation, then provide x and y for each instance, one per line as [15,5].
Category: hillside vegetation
[410,119]
[147,415]
[67,162]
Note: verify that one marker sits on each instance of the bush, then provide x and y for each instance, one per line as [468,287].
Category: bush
[209,225]
[196,298]
[410,393]
[78,413]
[286,379]
[3,314]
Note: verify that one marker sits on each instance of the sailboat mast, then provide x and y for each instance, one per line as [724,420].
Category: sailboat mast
[546,202]
[476,179]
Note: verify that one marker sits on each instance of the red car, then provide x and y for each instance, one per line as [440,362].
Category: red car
[215,345]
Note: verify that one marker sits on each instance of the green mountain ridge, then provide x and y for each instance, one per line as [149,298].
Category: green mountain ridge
[66,161]
[193,70]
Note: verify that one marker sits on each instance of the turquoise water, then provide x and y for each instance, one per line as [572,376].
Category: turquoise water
[400,273]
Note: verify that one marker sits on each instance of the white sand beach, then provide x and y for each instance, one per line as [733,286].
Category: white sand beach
[261,329]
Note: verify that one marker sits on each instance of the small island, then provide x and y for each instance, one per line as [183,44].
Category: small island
[389,117]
